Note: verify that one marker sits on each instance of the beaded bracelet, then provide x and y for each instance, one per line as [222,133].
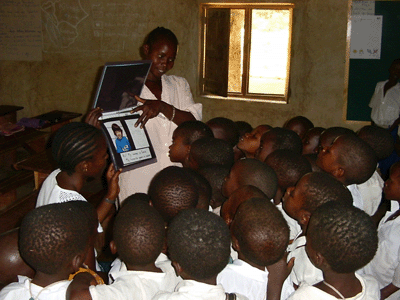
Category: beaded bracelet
[109,201]
[173,113]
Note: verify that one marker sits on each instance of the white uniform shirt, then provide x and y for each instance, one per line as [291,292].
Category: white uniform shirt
[240,277]
[194,290]
[24,289]
[303,270]
[370,291]
[385,109]
[357,198]
[371,193]
[294,227]
[175,91]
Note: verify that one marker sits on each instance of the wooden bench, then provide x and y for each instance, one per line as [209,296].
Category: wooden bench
[9,185]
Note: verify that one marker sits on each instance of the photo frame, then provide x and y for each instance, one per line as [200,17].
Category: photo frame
[129,146]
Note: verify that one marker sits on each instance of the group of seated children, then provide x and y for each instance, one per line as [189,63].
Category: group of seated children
[292,212]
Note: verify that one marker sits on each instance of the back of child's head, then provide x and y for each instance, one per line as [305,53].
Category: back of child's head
[172,190]
[243,127]
[299,124]
[311,140]
[357,157]
[200,242]
[158,34]
[210,151]
[251,171]
[138,233]
[345,236]
[224,129]
[138,197]
[261,231]
[276,139]
[229,208]
[319,188]
[379,139]
[215,174]
[288,166]
[192,131]
[330,134]
[74,143]
[203,187]
[52,235]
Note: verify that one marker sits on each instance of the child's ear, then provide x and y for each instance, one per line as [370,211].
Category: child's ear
[304,217]
[146,49]
[235,243]
[82,167]
[177,267]
[188,149]
[77,262]
[113,247]
[151,203]
[338,172]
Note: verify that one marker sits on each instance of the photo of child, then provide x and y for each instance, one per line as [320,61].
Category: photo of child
[121,143]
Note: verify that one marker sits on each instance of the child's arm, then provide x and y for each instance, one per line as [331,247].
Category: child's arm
[112,194]
[79,287]
[388,290]
[277,274]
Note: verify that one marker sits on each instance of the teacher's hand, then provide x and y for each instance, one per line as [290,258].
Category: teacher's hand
[150,109]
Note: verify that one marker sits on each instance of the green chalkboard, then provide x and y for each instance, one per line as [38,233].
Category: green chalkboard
[365,73]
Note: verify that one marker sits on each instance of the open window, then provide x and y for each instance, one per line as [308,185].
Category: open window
[245,51]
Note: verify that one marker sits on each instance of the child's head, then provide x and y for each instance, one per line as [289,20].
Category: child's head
[138,233]
[278,138]
[392,184]
[198,244]
[80,147]
[349,159]
[329,135]
[289,168]
[117,130]
[183,137]
[379,139]
[54,238]
[299,124]
[311,140]
[203,187]
[160,46]
[242,194]
[215,175]
[394,69]
[250,171]
[259,232]
[172,190]
[313,190]
[250,142]
[243,127]
[210,151]
[224,129]
[342,238]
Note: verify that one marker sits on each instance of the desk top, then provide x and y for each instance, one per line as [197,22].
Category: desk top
[57,117]
[42,162]
[6,109]
[19,139]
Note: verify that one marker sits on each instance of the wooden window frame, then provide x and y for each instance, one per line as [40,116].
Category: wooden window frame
[246,96]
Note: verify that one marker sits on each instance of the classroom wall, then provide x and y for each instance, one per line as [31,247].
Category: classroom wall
[67,76]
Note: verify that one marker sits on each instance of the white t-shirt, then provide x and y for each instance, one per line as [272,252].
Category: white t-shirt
[294,227]
[385,109]
[175,91]
[371,193]
[240,277]
[194,290]
[370,291]
[24,289]
[357,198]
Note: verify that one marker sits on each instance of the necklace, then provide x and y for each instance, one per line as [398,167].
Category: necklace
[334,289]
[37,296]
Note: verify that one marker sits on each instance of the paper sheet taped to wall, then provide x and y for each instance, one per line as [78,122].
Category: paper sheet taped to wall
[20,30]
[366,37]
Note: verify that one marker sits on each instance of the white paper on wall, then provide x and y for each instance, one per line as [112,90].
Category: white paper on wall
[366,37]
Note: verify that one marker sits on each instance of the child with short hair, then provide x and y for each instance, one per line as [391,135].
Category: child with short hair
[121,142]
[251,171]
[172,190]
[224,129]
[340,240]
[198,244]
[215,174]
[260,235]
[278,138]
[300,202]
[385,266]
[210,151]
[54,240]
[203,187]
[183,137]
[311,140]
[299,124]
[138,237]
[330,134]
[352,161]
[250,142]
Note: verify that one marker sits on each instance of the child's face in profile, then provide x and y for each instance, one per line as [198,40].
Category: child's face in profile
[231,182]
[328,158]
[178,150]
[267,144]
[294,198]
[250,142]
[98,161]
[392,185]
[310,142]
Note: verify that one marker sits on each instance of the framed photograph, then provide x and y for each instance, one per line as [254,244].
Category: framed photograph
[130,147]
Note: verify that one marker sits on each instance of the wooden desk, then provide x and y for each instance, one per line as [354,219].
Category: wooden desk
[8,113]
[57,118]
